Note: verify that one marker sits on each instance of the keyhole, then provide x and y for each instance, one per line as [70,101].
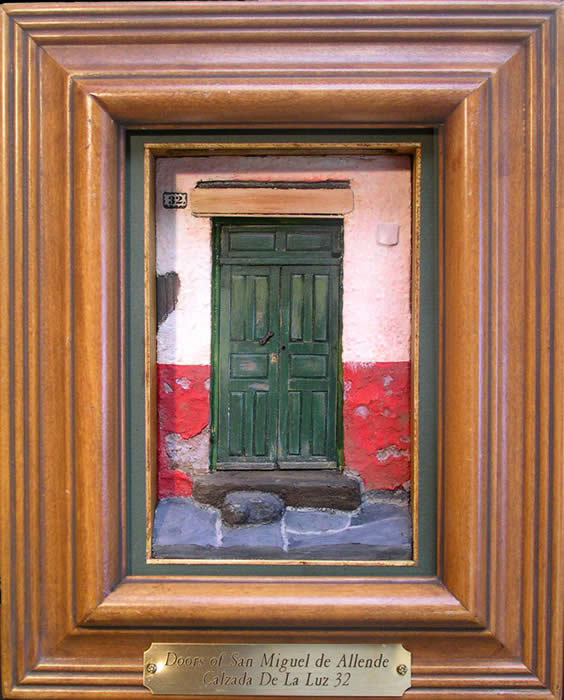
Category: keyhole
[283,347]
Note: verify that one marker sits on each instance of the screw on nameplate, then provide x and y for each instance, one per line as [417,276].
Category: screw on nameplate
[387,233]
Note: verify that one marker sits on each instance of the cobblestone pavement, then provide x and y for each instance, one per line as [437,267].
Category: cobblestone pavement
[379,529]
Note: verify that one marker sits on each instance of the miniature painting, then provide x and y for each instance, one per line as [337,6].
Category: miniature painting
[284,380]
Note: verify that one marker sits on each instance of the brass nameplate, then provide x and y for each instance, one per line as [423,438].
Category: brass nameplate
[382,670]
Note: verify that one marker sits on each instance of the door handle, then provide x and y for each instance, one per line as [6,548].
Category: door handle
[265,338]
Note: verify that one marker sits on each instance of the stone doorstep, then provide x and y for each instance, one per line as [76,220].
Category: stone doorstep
[305,489]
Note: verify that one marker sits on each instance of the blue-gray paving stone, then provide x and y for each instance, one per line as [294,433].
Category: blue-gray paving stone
[302,521]
[388,533]
[350,552]
[180,521]
[184,551]
[253,536]
[374,512]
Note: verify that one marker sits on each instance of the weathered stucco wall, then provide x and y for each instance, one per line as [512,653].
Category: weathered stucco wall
[376,313]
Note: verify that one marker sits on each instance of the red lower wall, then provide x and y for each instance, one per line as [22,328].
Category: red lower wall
[183,400]
[376,420]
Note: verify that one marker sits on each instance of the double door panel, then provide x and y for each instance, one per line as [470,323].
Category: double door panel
[278,360]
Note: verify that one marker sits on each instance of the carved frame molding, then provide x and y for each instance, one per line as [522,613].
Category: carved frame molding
[74,78]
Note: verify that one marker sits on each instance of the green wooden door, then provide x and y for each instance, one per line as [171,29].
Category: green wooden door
[309,303]
[248,371]
[278,350]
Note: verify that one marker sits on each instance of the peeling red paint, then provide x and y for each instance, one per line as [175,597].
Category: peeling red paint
[376,417]
[183,397]
[376,410]
[173,482]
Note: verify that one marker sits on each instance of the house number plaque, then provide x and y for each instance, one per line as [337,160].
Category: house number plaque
[377,670]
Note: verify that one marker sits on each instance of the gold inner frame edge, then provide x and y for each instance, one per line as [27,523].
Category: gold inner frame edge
[152,151]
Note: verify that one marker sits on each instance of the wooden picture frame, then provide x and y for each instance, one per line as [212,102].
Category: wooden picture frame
[489,77]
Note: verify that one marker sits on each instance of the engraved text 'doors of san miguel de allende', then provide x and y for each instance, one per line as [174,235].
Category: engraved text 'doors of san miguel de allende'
[382,670]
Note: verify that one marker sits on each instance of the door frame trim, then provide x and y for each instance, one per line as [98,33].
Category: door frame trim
[217,262]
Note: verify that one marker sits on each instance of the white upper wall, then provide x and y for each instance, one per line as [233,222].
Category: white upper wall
[376,278]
